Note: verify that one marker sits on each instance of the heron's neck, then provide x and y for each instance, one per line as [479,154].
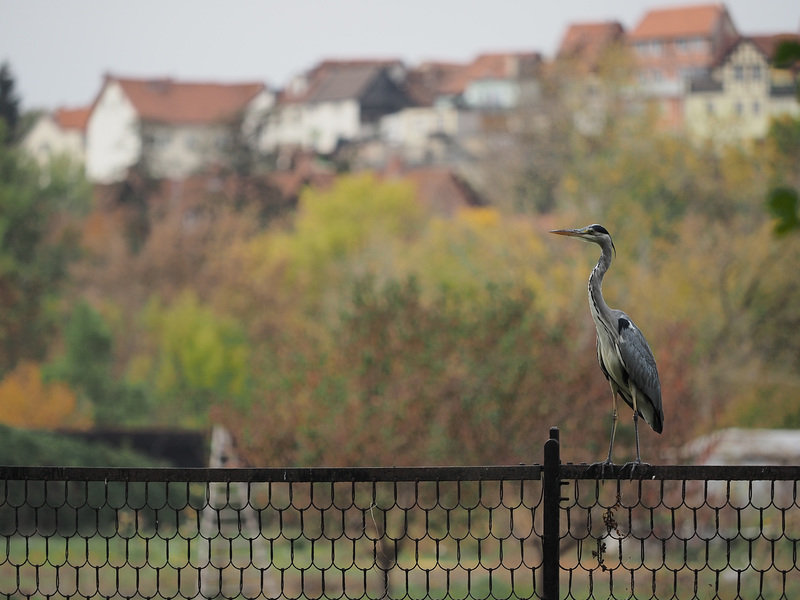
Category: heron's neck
[601,313]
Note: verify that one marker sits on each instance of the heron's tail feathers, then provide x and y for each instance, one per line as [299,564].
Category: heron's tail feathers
[653,416]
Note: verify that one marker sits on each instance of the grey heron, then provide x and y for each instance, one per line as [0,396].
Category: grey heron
[624,355]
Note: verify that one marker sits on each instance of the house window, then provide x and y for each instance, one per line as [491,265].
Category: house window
[756,108]
[699,45]
[649,48]
[739,108]
[755,72]
[682,45]
[738,72]
[157,139]
[709,108]
[688,73]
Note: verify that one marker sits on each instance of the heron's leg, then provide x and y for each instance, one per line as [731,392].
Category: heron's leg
[638,460]
[607,462]
[614,418]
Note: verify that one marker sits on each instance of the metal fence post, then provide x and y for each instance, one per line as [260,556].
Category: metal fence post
[552,518]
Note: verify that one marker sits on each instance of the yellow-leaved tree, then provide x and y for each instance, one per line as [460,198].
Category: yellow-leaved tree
[28,402]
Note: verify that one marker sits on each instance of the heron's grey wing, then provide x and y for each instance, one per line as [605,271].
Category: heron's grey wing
[635,354]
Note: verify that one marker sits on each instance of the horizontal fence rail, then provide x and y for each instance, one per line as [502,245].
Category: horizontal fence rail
[522,531]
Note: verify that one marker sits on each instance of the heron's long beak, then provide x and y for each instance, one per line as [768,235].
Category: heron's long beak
[569,232]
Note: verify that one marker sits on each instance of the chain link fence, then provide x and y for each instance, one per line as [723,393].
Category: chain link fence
[526,531]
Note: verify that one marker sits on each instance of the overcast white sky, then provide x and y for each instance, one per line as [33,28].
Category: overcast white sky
[59,49]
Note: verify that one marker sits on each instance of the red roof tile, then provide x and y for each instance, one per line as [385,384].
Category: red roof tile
[585,42]
[449,79]
[430,80]
[169,101]
[441,190]
[72,118]
[698,20]
[502,65]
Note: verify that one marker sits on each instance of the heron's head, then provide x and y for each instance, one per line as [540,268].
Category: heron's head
[593,233]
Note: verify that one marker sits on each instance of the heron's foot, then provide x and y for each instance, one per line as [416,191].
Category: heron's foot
[606,464]
[633,464]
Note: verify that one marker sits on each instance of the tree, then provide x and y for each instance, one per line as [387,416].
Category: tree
[87,366]
[9,104]
[37,243]
[29,402]
[783,200]
[196,359]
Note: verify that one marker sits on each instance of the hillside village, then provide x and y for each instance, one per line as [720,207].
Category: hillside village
[706,77]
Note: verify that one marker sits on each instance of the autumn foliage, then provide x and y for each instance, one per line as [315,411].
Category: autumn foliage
[28,402]
[366,328]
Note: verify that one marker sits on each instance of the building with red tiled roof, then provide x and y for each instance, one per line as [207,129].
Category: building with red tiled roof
[588,94]
[501,80]
[584,44]
[456,104]
[172,102]
[72,119]
[440,190]
[62,132]
[675,44]
[491,80]
[743,91]
[433,80]
[175,127]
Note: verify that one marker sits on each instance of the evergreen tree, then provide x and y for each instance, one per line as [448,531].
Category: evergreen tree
[9,103]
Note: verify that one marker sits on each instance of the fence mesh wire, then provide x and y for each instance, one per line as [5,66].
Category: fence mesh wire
[438,533]
[341,539]
[680,539]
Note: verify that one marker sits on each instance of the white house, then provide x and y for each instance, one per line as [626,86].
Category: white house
[502,81]
[412,130]
[337,101]
[174,127]
[455,101]
[62,133]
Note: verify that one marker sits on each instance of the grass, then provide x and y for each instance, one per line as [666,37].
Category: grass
[54,567]
[57,567]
